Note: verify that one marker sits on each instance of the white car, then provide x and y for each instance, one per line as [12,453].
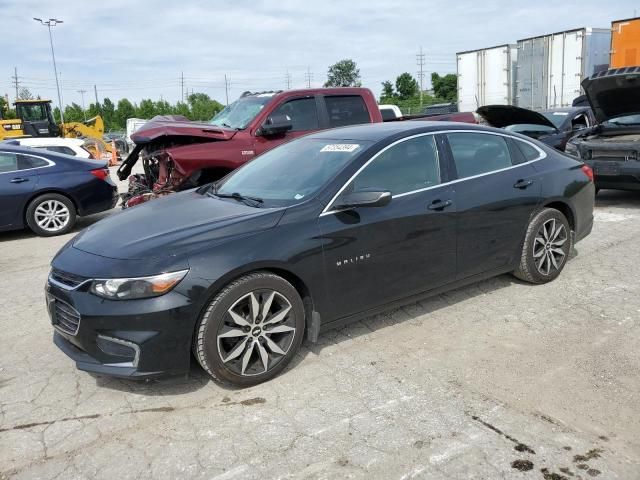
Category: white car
[69,146]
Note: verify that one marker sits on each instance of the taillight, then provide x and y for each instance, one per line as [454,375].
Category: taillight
[101,173]
[588,171]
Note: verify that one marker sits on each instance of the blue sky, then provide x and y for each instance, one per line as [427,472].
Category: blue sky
[138,49]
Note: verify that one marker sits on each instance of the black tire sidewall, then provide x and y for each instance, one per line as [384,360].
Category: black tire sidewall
[213,317]
[30,214]
[539,220]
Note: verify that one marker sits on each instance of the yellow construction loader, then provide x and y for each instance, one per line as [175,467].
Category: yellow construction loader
[35,119]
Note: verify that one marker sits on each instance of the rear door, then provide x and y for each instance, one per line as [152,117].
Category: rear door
[18,179]
[376,255]
[497,190]
[302,111]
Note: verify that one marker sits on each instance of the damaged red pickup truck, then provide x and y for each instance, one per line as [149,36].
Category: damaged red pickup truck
[178,154]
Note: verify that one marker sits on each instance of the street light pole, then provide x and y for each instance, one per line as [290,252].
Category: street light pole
[52,22]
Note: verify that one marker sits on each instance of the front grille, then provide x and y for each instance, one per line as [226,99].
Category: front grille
[68,279]
[65,317]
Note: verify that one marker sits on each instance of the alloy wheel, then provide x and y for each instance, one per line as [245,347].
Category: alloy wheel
[548,252]
[52,215]
[256,333]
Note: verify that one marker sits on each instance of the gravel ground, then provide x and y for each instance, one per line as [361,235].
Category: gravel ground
[496,380]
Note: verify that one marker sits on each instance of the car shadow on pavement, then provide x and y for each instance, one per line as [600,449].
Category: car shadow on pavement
[618,198]
[81,223]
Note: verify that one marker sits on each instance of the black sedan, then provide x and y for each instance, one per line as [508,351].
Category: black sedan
[320,231]
[46,191]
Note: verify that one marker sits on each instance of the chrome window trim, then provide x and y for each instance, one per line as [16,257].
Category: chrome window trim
[327,210]
[135,346]
[51,163]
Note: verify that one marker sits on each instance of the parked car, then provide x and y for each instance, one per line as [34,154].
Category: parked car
[178,154]
[553,127]
[612,148]
[120,140]
[75,147]
[320,231]
[46,191]
[390,112]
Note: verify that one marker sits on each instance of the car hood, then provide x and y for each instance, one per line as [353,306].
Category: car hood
[176,125]
[501,116]
[614,93]
[173,225]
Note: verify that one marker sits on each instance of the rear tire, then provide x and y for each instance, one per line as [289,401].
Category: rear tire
[251,330]
[546,247]
[51,214]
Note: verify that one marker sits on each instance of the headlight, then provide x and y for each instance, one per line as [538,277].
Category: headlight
[141,287]
[572,149]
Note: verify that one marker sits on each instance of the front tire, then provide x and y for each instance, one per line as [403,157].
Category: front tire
[51,214]
[251,330]
[546,247]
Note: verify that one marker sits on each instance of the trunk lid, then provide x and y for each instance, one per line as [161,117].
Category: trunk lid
[614,93]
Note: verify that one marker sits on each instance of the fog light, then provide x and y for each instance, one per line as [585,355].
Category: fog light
[127,352]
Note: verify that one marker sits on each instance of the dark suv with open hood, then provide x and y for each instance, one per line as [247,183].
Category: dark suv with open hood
[612,148]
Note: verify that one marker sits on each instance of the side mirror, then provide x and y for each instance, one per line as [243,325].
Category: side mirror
[275,124]
[363,199]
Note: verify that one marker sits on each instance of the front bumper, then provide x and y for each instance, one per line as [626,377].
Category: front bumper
[619,175]
[131,338]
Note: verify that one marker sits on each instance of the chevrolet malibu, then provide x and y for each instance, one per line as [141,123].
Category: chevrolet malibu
[318,232]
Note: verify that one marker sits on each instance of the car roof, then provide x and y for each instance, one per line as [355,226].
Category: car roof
[380,131]
[51,141]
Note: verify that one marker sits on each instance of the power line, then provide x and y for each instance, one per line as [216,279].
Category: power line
[308,76]
[287,80]
[420,57]
[84,112]
[182,86]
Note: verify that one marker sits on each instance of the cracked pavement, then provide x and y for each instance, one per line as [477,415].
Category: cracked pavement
[500,379]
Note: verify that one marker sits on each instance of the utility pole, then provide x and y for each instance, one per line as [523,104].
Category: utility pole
[420,57]
[182,87]
[227,86]
[16,80]
[84,112]
[52,22]
[308,76]
[95,91]
[287,80]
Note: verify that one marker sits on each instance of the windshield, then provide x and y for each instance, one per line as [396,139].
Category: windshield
[240,113]
[625,120]
[557,118]
[293,172]
[32,112]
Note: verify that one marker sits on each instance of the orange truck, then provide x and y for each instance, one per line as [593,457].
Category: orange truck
[625,43]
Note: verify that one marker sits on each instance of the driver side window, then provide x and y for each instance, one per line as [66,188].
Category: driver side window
[302,112]
[407,166]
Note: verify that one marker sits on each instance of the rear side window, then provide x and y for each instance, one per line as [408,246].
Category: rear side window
[60,149]
[8,162]
[528,151]
[478,153]
[405,167]
[26,161]
[346,110]
[302,112]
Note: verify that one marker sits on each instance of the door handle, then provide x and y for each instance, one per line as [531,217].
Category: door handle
[439,204]
[522,184]
[18,180]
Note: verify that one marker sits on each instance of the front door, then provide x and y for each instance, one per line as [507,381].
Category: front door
[374,255]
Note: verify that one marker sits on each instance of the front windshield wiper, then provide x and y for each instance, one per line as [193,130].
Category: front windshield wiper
[248,200]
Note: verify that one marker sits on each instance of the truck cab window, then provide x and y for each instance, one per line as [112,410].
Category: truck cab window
[346,110]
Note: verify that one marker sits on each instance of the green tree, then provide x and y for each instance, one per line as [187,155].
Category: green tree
[407,86]
[162,107]
[387,91]
[146,109]
[6,111]
[445,86]
[202,107]
[124,110]
[93,111]
[73,113]
[181,108]
[108,113]
[344,73]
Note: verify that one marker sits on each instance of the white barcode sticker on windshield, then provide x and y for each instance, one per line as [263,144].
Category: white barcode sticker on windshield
[340,147]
